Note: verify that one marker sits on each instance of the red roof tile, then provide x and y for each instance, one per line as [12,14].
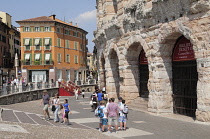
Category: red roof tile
[41,18]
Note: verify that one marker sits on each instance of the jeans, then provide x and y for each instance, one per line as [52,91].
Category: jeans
[56,117]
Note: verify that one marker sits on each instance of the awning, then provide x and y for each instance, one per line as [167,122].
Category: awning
[37,56]
[27,42]
[27,56]
[47,57]
[47,41]
[36,41]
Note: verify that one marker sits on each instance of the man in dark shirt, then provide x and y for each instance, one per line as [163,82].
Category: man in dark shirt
[45,101]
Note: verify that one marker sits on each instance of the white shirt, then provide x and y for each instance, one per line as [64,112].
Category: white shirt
[104,111]
[121,108]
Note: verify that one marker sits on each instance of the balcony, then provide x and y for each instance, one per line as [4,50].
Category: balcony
[37,63]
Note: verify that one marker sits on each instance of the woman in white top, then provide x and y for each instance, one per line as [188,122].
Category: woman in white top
[56,103]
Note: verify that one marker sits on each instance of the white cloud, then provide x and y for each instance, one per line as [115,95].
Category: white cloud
[89,16]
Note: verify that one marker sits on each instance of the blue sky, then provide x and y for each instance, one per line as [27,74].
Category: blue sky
[82,12]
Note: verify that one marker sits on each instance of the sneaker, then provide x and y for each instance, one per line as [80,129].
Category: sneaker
[48,119]
[109,132]
[116,132]
[99,129]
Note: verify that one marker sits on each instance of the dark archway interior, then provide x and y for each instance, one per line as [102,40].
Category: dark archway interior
[185,77]
[144,75]
[114,63]
[103,70]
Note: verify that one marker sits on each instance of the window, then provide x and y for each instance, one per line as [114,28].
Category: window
[27,29]
[47,59]
[76,59]
[74,34]
[68,75]
[59,42]
[37,43]
[75,45]
[47,43]
[27,59]
[67,44]
[81,60]
[59,57]
[67,32]
[37,29]
[27,43]
[58,29]
[81,47]
[37,59]
[46,28]
[68,58]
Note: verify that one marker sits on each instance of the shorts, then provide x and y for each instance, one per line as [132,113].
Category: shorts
[46,107]
[66,115]
[103,121]
[110,119]
[122,119]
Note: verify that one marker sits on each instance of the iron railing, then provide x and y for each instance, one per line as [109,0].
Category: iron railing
[12,88]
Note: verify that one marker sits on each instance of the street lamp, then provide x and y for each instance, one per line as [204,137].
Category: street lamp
[16,65]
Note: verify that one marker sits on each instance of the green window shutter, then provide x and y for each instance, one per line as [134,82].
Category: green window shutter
[42,29]
[44,59]
[23,42]
[23,29]
[30,58]
[31,43]
[51,56]
[50,28]
[40,58]
[40,41]
[50,41]
[31,29]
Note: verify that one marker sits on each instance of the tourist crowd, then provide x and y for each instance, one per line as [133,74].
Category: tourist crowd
[103,107]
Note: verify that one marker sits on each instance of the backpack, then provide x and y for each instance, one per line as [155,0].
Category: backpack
[99,112]
[94,98]
[125,109]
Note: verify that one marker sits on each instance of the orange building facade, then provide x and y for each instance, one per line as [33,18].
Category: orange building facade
[52,50]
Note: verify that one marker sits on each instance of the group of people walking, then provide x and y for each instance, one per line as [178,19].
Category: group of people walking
[112,112]
[108,111]
[56,106]
[105,108]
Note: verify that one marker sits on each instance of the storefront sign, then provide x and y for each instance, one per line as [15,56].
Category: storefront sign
[183,50]
[143,58]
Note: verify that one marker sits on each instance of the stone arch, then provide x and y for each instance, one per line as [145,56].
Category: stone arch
[137,39]
[133,48]
[102,71]
[112,74]
[160,82]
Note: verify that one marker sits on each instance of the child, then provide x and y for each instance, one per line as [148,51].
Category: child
[122,116]
[62,112]
[66,111]
[102,113]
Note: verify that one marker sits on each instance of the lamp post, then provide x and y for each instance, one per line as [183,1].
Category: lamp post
[16,65]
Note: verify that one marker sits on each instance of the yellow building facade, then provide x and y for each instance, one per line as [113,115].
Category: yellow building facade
[52,50]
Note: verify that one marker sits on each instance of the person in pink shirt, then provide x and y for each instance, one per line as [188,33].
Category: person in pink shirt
[112,115]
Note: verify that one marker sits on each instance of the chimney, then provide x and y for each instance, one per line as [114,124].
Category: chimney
[53,16]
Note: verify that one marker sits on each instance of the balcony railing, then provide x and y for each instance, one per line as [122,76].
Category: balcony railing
[36,63]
